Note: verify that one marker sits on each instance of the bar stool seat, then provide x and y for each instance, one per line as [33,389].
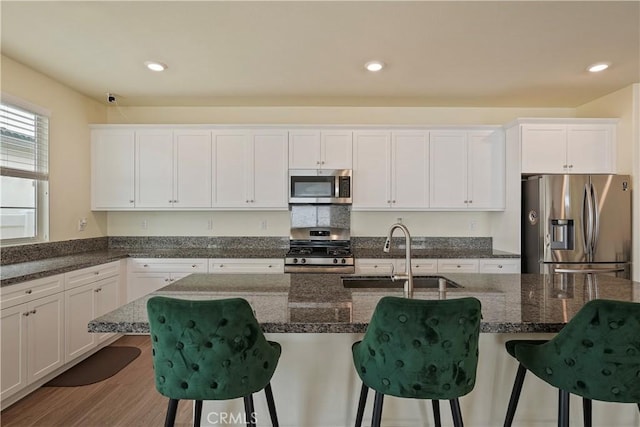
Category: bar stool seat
[210,350]
[596,356]
[419,349]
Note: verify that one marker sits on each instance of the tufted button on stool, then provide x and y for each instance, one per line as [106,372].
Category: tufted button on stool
[596,356]
[210,350]
[419,349]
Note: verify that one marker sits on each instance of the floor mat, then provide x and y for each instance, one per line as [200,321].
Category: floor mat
[99,366]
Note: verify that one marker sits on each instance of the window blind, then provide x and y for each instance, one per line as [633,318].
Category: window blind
[24,140]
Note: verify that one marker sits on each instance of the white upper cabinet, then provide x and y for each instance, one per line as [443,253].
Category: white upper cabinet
[192,169]
[250,169]
[320,149]
[112,169]
[409,170]
[391,170]
[154,168]
[579,146]
[467,170]
[371,170]
[173,169]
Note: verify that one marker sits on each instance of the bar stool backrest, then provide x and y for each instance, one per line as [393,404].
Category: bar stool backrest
[596,355]
[208,350]
[420,349]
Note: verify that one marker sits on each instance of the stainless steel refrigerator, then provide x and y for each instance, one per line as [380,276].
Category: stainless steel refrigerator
[577,224]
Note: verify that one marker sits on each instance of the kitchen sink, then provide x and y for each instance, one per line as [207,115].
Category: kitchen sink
[421,282]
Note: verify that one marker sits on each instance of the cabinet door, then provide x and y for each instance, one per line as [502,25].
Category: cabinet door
[106,300]
[80,310]
[336,150]
[268,170]
[371,170]
[13,350]
[590,149]
[45,336]
[141,284]
[409,170]
[112,169]
[304,149]
[486,172]
[192,166]
[230,169]
[154,169]
[544,148]
[448,169]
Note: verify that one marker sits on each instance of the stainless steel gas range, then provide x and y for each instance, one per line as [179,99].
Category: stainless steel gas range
[319,250]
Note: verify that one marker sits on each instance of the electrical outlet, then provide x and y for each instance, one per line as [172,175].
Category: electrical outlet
[210,224]
[473,224]
[82,224]
[263,224]
[144,224]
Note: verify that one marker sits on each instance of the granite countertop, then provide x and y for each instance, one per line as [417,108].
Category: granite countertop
[318,303]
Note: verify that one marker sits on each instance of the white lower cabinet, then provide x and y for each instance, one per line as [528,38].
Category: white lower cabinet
[500,265]
[147,275]
[32,341]
[428,266]
[458,265]
[246,265]
[83,304]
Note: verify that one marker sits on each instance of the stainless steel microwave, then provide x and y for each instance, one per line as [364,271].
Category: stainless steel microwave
[320,186]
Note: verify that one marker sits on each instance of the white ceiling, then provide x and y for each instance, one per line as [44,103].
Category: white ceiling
[451,53]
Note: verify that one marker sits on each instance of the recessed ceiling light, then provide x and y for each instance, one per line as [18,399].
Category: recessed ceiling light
[600,66]
[374,66]
[155,66]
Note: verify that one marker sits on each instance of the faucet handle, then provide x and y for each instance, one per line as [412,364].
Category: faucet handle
[393,272]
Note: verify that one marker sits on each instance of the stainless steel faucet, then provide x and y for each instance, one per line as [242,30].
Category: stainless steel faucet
[407,276]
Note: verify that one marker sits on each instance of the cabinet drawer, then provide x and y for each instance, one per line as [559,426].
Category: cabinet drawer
[382,267]
[418,266]
[500,266]
[28,291]
[260,265]
[457,266]
[81,277]
[168,265]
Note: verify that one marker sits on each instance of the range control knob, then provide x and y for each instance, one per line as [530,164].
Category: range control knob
[335,260]
[303,260]
[344,261]
[295,260]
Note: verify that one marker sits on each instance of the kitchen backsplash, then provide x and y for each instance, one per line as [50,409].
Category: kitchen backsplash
[25,253]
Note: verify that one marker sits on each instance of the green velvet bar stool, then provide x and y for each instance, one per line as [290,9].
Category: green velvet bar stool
[419,349]
[210,350]
[596,356]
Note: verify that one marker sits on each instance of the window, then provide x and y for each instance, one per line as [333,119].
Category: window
[24,175]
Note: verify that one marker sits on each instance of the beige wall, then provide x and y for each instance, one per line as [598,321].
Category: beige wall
[69,148]
[625,104]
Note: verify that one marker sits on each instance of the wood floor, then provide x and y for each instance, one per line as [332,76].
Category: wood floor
[128,399]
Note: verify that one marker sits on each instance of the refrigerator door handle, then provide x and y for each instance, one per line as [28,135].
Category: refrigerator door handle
[588,270]
[596,220]
[587,224]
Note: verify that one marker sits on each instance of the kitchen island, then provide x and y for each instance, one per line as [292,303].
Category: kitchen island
[316,320]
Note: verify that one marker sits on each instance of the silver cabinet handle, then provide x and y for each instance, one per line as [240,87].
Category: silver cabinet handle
[570,166]
[466,201]
[25,314]
[193,266]
[166,279]
[388,201]
[96,273]
[565,166]
[317,162]
[33,311]
[28,291]
[589,270]
[98,290]
[131,201]
[146,265]
[470,201]
[499,265]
